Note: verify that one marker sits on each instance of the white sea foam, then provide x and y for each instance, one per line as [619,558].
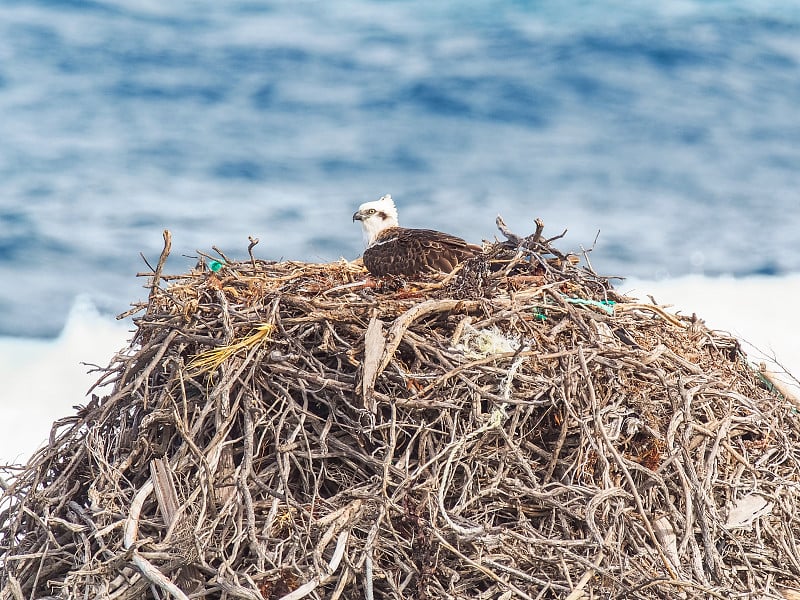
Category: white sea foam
[43,380]
[757,310]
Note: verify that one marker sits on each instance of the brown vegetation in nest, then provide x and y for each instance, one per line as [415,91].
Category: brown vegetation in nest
[513,430]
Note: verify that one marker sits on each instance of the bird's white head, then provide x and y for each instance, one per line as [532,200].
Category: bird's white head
[376,216]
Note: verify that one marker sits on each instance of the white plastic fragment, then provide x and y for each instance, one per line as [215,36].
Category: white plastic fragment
[746,510]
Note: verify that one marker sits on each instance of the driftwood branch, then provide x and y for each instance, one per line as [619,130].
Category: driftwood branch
[250,246]
[162,259]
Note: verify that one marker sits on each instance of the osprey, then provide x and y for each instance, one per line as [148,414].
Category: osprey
[395,250]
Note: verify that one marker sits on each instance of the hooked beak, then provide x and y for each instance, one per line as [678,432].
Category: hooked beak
[357,216]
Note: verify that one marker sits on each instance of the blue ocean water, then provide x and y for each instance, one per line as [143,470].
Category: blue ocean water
[670,128]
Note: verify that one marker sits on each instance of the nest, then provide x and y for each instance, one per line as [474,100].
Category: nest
[514,430]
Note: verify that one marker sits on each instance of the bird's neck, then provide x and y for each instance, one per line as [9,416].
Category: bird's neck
[371,231]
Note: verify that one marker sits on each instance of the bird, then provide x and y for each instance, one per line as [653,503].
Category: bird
[394,250]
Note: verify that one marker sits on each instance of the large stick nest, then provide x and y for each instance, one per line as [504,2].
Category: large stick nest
[515,430]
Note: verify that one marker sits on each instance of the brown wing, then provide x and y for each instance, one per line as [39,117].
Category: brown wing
[400,251]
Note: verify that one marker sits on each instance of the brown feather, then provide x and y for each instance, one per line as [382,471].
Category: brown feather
[401,251]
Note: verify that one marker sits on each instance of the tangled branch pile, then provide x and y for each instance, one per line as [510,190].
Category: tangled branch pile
[516,430]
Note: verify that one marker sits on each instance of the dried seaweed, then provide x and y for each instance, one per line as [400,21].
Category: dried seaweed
[514,430]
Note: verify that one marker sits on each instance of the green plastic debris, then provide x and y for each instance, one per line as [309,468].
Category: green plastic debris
[606,305]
